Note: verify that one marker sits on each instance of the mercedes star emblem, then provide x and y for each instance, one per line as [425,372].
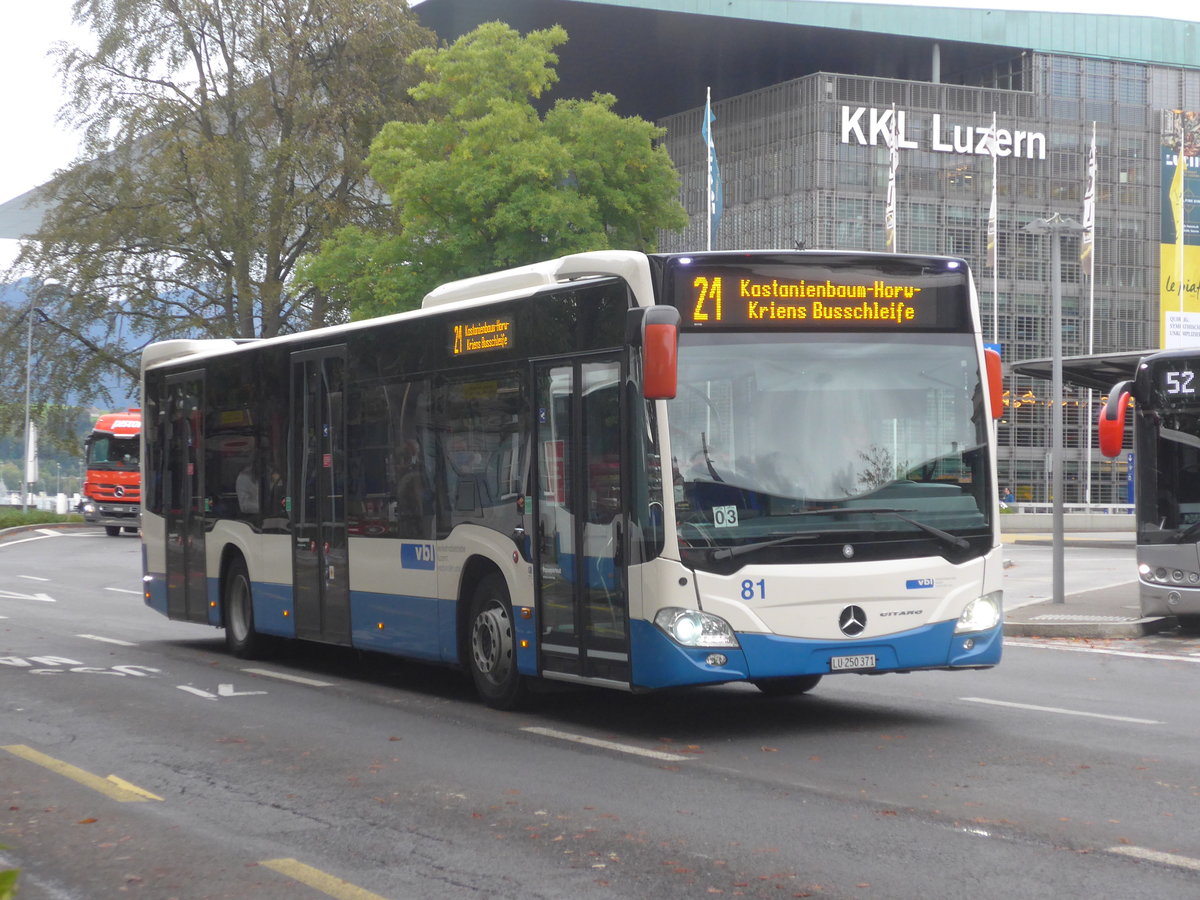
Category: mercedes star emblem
[852,621]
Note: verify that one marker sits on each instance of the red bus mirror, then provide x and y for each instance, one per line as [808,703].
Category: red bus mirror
[660,352]
[1111,426]
[995,381]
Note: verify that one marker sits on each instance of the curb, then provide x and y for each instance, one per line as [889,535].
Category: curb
[1094,627]
[1086,543]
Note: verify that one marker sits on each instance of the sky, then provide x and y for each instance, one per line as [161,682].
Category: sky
[35,145]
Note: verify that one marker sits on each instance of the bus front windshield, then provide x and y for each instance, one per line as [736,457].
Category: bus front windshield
[793,445]
[1169,505]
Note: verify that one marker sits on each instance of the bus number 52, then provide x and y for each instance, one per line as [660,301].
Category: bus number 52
[1179,382]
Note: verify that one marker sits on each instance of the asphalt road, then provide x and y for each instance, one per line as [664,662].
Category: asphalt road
[1069,770]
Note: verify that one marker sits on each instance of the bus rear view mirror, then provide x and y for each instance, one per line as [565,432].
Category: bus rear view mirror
[659,334]
[1111,427]
[995,381]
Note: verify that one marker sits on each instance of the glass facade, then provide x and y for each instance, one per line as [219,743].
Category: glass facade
[804,162]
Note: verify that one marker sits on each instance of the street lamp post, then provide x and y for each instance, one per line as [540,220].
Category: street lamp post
[1056,226]
[26,484]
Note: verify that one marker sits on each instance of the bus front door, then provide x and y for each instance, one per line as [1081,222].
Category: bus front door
[317,488]
[582,602]
[183,496]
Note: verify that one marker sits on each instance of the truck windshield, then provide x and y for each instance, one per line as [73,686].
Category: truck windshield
[107,452]
[831,438]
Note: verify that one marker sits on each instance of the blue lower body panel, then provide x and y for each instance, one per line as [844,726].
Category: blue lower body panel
[415,627]
[659,662]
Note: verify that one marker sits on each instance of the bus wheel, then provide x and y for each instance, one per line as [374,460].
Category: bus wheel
[240,637]
[493,654]
[112,530]
[787,687]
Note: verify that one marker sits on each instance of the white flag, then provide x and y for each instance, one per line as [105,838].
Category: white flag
[892,137]
[989,139]
[716,200]
[1087,240]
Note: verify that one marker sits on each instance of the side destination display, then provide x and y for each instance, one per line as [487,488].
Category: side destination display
[481,336]
[813,297]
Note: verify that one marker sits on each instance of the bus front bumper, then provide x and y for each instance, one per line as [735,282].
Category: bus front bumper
[660,662]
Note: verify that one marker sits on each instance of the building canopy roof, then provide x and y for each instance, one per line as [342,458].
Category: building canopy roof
[656,56]
[1100,371]
[1132,38]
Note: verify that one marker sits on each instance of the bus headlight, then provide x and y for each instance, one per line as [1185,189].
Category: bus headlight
[693,628]
[982,613]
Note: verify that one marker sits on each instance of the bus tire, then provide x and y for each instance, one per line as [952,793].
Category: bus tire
[787,687]
[112,530]
[240,637]
[492,646]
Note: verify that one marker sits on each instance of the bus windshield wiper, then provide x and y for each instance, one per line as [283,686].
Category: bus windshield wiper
[951,539]
[712,470]
[1188,533]
[742,549]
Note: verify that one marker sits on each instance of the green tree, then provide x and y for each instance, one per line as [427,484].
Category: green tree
[488,182]
[223,141]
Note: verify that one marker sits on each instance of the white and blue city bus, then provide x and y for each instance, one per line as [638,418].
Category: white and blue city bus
[616,469]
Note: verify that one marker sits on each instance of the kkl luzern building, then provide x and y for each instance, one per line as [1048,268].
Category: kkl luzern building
[805,95]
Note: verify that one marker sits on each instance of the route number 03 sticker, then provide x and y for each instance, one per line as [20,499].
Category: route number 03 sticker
[725,516]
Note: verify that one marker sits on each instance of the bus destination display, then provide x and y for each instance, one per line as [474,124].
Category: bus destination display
[726,297]
[481,336]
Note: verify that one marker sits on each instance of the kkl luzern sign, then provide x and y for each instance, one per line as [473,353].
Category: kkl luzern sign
[867,125]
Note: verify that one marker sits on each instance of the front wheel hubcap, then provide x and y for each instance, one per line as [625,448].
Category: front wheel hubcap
[492,644]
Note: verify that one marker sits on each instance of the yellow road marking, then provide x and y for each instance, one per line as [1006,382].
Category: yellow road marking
[112,787]
[322,881]
[133,788]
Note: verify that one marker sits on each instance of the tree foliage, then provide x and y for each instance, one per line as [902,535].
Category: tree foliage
[488,182]
[224,139]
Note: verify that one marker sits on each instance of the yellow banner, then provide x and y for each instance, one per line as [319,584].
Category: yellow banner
[1179,307]
[1179,326]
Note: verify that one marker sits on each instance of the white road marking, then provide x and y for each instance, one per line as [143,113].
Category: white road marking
[33,578]
[199,693]
[1168,657]
[124,591]
[42,537]
[13,595]
[1157,856]
[283,676]
[48,532]
[1061,711]
[606,745]
[226,690]
[107,640]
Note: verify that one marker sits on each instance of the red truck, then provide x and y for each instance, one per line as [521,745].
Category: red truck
[112,485]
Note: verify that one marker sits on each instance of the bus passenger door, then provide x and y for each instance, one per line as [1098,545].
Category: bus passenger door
[317,488]
[580,520]
[183,497]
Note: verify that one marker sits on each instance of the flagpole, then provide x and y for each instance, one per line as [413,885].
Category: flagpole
[1090,222]
[992,251]
[889,209]
[1181,170]
[708,205]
